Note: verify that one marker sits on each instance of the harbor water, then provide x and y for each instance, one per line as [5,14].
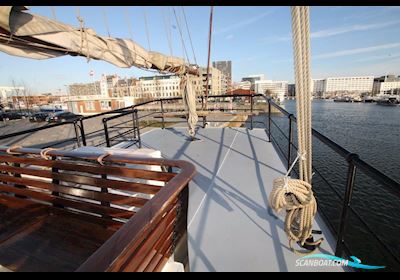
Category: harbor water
[373,132]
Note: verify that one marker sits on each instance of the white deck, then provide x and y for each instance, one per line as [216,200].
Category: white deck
[230,226]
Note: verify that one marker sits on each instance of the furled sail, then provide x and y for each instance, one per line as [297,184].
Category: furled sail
[32,36]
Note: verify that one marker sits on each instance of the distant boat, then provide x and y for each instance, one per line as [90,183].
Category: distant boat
[368,100]
[342,99]
[389,101]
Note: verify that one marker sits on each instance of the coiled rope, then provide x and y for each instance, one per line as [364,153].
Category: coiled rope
[296,195]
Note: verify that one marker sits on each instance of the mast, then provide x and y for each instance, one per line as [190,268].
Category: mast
[209,56]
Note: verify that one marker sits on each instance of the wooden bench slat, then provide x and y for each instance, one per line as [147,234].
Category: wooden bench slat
[73,190]
[98,169]
[66,202]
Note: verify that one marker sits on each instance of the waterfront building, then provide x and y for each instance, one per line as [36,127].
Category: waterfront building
[226,69]
[359,84]
[245,85]
[6,94]
[291,90]
[318,87]
[85,89]
[275,89]
[252,79]
[389,84]
[112,93]
[35,101]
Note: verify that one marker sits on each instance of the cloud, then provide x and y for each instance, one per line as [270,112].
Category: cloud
[351,52]
[229,37]
[357,27]
[356,51]
[242,23]
[335,31]
[379,57]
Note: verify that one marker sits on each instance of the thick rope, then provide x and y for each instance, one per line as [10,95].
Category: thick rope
[296,195]
[11,149]
[44,152]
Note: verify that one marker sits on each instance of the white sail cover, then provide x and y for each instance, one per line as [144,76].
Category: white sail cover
[32,36]
[189,101]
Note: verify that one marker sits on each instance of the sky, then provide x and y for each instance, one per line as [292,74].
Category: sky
[345,41]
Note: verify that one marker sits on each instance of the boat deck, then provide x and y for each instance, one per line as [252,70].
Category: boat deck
[230,227]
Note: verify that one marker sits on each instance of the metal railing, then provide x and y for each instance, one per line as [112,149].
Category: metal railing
[353,161]
[354,164]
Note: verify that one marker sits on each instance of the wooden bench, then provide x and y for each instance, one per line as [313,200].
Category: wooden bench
[60,213]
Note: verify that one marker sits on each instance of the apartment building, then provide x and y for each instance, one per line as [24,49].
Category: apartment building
[389,84]
[277,89]
[360,84]
[226,69]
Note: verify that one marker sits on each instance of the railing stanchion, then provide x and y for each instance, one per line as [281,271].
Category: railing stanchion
[290,139]
[351,175]
[134,124]
[106,133]
[83,136]
[162,114]
[269,120]
[251,111]
[138,128]
[78,142]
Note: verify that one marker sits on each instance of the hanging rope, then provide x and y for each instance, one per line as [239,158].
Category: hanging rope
[209,57]
[296,195]
[181,34]
[190,37]
[83,34]
[147,28]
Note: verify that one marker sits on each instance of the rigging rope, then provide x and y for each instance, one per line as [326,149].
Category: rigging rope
[296,195]
[147,28]
[167,30]
[190,37]
[53,12]
[180,32]
[106,21]
[126,13]
[83,34]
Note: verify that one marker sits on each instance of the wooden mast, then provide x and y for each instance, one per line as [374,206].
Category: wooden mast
[209,56]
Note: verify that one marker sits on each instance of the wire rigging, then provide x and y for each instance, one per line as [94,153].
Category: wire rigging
[106,22]
[53,12]
[190,37]
[180,32]
[127,18]
[147,28]
[167,30]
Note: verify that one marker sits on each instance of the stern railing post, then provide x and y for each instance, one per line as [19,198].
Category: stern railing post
[351,176]
[138,127]
[162,114]
[269,120]
[106,133]
[290,140]
[78,142]
[251,111]
[83,136]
